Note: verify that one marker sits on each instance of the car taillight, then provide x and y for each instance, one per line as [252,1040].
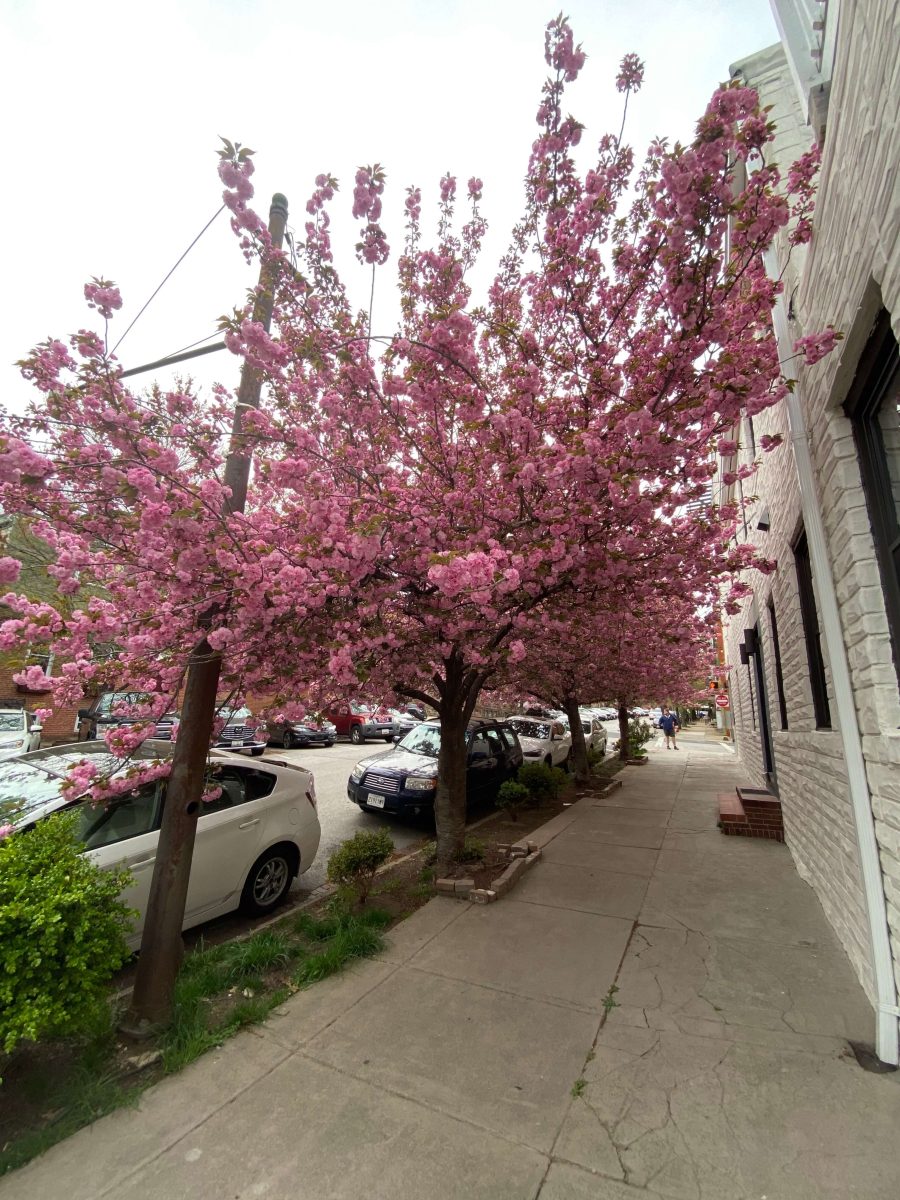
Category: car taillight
[311,793]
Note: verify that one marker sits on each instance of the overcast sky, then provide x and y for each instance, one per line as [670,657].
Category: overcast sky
[113,111]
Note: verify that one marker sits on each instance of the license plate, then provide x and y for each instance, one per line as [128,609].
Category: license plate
[375,801]
[237,741]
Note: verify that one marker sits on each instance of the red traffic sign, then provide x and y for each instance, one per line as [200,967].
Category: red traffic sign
[722,701]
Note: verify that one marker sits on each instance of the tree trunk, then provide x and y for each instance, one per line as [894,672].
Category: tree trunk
[578,753]
[161,946]
[450,801]
[623,730]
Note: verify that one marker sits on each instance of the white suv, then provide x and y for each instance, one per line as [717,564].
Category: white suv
[20,732]
[543,739]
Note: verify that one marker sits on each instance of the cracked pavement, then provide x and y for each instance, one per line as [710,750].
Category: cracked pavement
[475,1057]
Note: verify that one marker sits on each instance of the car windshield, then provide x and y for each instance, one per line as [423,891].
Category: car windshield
[361,709]
[27,785]
[424,739]
[115,700]
[235,714]
[531,729]
[10,721]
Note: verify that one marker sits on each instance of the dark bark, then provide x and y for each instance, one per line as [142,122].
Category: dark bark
[450,802]
[578,757]
[623,730]
[459,690]
[161,945]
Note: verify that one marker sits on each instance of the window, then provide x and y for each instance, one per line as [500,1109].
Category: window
[239,786]
[495,744]
[873,406]
[810,619]
[126,818]
[779,674]
[509,737]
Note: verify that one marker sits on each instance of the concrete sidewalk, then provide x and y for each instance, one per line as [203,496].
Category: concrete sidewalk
[446,1068]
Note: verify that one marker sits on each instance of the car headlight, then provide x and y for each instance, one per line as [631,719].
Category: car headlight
[420,783]
[357,773]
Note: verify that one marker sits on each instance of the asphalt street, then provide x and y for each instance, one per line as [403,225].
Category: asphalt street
[339,817]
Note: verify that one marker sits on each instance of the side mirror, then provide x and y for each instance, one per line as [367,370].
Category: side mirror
[84,714]
[36,727]
[397,737]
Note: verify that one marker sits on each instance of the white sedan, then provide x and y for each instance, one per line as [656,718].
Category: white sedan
[594,732]
[20,732]
[543,740]
[252,840]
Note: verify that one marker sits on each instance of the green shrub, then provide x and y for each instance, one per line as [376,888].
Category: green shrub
[62,932]
[353,865]
[639,733]
[543,782]
[513,796]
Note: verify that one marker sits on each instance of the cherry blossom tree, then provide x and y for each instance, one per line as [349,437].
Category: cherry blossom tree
[419,502]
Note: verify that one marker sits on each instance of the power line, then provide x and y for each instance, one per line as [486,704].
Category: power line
[167,278]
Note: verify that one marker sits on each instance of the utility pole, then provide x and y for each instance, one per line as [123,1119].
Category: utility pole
[161,946]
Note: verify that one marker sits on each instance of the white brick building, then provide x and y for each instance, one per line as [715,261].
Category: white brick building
[816,705]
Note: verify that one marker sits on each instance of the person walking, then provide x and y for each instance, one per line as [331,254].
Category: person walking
[668,723]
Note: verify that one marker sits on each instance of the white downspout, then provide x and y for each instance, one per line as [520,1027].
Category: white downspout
[887,1010]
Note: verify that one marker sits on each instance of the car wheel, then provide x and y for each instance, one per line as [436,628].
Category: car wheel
[356,736]
[549,760]
[268,882]
[257,751]
[328,745]
[288,740]
[389,740]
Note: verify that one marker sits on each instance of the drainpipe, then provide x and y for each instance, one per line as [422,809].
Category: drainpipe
[886,1010]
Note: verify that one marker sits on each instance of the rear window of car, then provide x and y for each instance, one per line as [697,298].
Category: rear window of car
[531,729]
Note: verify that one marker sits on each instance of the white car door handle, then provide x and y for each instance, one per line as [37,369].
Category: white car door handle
[249,824]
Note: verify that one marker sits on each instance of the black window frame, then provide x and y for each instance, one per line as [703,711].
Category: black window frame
[876,375]
[779,673]
[809,614]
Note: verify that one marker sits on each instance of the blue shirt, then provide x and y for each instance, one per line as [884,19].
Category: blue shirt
[668,723]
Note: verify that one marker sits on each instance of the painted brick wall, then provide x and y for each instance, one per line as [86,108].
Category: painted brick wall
[851,269]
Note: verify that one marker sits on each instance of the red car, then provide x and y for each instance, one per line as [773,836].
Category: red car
[360,721]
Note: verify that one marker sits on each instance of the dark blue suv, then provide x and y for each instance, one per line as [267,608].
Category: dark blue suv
[404,780]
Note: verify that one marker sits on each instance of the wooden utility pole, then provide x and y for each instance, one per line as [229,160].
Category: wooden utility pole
[161,945]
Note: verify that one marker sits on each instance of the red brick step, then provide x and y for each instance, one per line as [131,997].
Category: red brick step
[751,812]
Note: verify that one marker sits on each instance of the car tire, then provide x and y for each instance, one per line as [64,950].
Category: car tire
[257,751]
[356,736]
[328,745]
[268,882]
[389,740]
[549,760]
[287,740]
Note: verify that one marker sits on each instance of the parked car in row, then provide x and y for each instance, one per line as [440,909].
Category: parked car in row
[406,718]
[360,721]
[110,709]
[252,841]
[242,732]
[20,731]
[311,731]
[546,741]
[404,780]
[594,733]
